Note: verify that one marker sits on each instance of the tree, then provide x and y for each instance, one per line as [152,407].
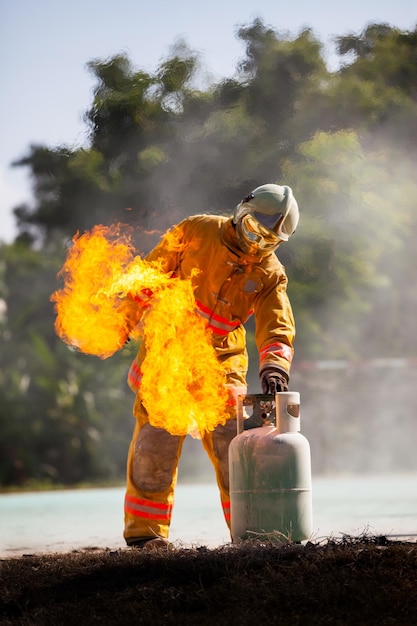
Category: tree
[377,90]
[165,144]
[278,71]
[64,417]
[338,255]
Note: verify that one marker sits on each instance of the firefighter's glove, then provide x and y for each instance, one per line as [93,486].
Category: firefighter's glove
[273,382]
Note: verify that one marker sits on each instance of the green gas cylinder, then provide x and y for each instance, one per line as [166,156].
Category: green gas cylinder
[270,471]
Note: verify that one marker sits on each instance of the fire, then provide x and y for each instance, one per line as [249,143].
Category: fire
[182,385]
[91,314]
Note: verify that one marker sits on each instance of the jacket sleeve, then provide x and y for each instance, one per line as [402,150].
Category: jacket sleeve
[275,327]
[169,249]
[166,252]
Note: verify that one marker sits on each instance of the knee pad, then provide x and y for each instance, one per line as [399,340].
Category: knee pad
[222,436]
[155,458]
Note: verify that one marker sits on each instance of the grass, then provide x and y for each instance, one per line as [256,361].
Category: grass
[351,581]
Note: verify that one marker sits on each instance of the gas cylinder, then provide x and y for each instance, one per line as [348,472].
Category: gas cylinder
[270,471]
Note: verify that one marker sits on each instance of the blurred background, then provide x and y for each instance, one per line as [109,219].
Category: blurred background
[144,115]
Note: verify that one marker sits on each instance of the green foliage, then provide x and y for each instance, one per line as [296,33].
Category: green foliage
[277,71]
[378,89]
[63,416]
[161,148]
[353,211]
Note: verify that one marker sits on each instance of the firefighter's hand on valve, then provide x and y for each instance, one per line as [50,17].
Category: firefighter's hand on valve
[273,381]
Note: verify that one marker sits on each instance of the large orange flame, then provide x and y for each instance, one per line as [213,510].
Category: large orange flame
[182,384]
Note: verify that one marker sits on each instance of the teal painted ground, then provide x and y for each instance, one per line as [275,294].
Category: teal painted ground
[59,521]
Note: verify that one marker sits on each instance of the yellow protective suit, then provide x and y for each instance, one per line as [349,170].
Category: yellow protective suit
[229,287]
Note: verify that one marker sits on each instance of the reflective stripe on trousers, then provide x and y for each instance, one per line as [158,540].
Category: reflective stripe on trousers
[152,471]
[148,509]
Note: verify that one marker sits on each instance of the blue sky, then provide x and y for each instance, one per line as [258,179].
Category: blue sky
[45,45]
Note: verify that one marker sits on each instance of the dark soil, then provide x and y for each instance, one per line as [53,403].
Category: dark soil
[353,581]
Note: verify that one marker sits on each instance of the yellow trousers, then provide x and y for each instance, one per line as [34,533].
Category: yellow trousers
[152,470]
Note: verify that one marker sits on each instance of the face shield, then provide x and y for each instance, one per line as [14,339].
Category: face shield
[256,230]
[265,218]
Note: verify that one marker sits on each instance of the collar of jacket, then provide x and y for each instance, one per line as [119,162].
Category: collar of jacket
[228,237]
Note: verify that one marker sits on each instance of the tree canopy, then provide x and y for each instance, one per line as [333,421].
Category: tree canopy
[165,144]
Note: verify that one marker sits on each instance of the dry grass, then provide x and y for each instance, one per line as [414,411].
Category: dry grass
[353,581]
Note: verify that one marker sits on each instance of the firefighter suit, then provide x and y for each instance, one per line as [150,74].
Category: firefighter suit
[230,286]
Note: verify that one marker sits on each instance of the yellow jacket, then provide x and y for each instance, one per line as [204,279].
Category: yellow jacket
[230,286]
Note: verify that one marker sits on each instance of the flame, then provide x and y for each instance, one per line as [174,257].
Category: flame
[182,385]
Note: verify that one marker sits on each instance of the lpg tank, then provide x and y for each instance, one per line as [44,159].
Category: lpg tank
[270,471]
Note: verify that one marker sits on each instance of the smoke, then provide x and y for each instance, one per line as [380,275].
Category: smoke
[359,418]
[355,196]
[357,383]
[351,263]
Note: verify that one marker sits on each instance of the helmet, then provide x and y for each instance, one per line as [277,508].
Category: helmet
[265,218]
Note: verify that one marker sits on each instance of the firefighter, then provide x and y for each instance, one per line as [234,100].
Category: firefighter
[239,275]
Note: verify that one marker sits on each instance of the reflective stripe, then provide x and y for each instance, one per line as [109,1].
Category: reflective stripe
[226,510]
[143,298]
[277,349]
[148,509]
[220,325]
[134,376]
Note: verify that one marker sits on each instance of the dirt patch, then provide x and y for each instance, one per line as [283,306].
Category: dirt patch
[353,581]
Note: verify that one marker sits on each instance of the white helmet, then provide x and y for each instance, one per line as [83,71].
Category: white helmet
[265,218]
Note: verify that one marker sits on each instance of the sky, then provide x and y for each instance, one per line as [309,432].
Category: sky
[45,45]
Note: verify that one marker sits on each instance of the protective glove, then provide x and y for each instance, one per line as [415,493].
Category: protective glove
[273,381]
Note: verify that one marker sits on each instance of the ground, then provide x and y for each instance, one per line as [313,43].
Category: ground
[352,581]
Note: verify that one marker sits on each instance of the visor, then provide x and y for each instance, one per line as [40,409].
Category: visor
[256,233]
[276,223]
